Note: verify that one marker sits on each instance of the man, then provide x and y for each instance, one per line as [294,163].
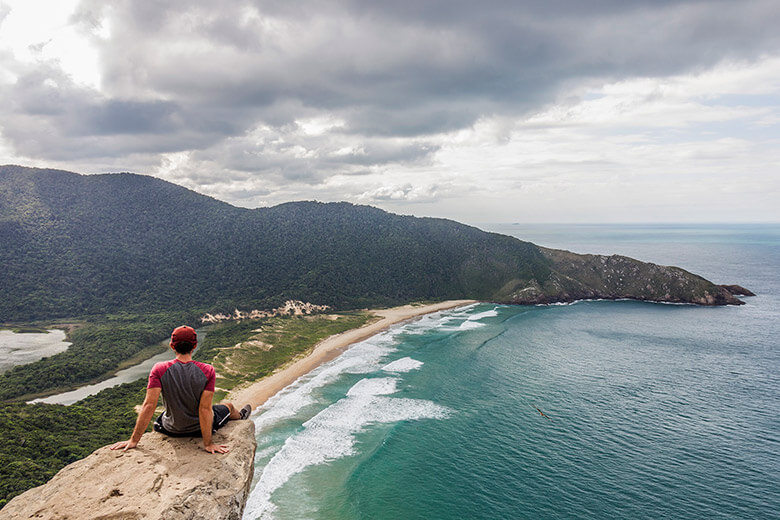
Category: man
[187,388]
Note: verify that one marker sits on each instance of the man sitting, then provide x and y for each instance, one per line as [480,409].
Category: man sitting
[187,388]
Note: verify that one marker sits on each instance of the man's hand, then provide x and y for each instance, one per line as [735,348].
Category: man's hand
[215,448]
[124,445]
[144,416]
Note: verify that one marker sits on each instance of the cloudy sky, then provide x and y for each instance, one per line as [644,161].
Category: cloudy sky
[492,111]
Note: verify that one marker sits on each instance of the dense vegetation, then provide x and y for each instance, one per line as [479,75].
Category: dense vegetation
[98,348]
[38,440]
[78,245]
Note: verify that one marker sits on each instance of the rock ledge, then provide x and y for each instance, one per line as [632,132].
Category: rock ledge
[170,478]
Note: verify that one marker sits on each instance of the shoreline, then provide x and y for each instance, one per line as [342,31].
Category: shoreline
[257,393]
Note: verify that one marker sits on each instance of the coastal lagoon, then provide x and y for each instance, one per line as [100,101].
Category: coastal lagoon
[19,349]
[650,410]
[126,375]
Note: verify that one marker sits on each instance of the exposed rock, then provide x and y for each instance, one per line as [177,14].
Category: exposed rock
[581,277]
[163,478]
[738,290]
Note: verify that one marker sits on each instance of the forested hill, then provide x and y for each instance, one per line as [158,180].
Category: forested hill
[75,245]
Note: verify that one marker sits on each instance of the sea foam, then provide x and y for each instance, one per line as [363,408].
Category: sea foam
[447,320]
[330,435]
[405,364]
[462,320]
[361,358]
[470,325]
[427,322]
[485,314]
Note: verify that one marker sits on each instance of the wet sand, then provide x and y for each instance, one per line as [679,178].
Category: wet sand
[259,392]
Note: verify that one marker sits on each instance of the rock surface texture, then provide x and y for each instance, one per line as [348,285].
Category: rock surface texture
[163,478]
[582,277]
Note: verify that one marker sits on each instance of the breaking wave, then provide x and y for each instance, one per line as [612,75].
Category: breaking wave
[330,435]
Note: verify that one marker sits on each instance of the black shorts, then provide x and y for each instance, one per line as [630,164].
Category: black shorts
[221,417]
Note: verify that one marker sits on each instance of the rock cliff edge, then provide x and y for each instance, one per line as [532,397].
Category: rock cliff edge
[164,477]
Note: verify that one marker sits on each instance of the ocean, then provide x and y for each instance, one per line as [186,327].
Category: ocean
[591,410]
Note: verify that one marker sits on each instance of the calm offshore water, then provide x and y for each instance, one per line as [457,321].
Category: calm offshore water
[655,411]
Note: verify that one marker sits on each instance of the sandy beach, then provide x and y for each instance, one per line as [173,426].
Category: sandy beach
[259,392]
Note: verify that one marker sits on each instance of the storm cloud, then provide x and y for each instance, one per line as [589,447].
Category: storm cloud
[300,92]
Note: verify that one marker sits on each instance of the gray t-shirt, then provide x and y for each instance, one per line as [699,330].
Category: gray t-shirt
[182,385]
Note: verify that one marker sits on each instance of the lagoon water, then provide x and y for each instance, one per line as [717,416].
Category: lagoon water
[653,411]
[126,375]
[19,349]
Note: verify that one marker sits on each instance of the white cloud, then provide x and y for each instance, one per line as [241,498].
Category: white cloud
[405,192]
[470,111]
[628,150]
[39,30]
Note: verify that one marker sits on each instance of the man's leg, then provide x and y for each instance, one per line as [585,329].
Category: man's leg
[243,413]
[221,415]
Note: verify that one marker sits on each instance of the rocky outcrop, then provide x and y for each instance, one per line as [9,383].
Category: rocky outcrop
[163,478]
[738,290]
[580,277]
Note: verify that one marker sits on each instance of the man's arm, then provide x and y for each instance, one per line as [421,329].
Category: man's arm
[144,416]
[206,416]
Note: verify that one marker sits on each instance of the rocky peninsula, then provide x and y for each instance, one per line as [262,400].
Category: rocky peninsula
[575,277]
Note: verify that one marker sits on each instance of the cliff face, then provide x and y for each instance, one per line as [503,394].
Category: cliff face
[164,477]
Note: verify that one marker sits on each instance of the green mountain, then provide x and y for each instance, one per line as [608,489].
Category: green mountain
[75,245]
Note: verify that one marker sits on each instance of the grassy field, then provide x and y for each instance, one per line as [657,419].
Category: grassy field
[247,351]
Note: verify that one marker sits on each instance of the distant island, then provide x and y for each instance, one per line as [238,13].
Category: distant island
[77,245]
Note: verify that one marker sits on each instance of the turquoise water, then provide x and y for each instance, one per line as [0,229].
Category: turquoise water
[653,411]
